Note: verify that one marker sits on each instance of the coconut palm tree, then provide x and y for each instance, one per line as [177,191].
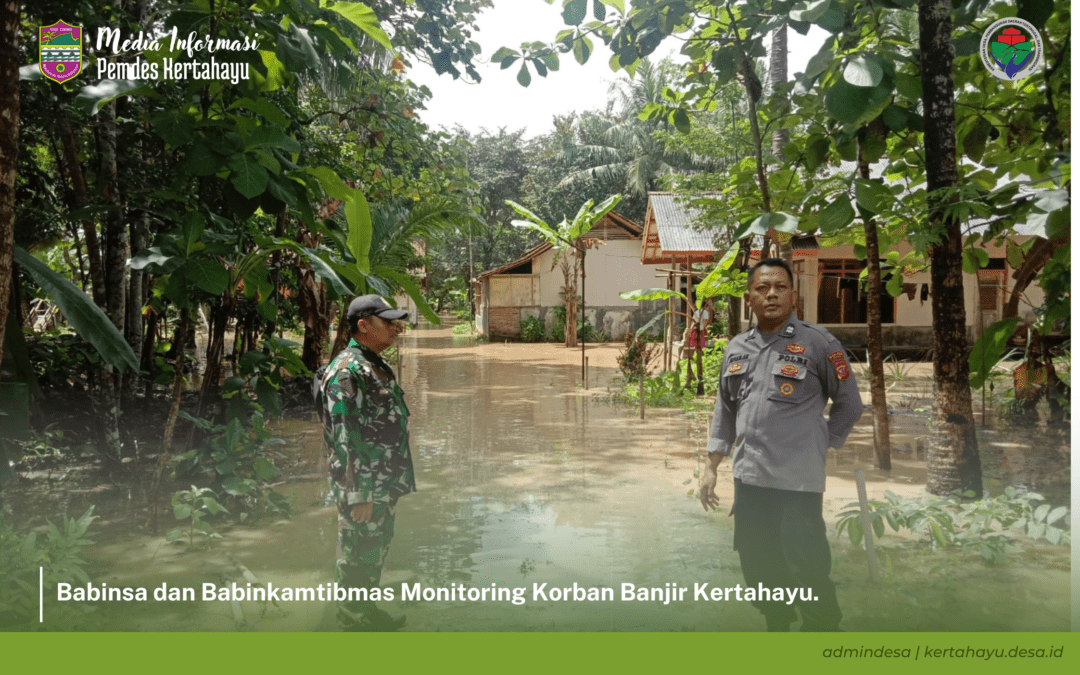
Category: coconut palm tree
[626,152]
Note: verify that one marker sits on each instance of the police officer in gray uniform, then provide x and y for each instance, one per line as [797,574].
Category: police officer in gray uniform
[774,383]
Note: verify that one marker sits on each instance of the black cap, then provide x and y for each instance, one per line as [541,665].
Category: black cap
[367,305]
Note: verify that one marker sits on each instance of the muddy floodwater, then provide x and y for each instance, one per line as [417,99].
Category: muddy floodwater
[529,484]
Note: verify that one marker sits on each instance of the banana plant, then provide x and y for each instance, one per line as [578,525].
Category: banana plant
[722,280]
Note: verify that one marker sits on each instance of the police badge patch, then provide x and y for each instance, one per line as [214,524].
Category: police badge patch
[789,370]
[840,363]
[787,388]
[795,348]
[734,368]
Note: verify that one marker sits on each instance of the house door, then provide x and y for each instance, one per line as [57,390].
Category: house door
[991,294]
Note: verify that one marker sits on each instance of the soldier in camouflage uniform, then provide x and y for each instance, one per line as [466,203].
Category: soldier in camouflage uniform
[774,383]
[366,427]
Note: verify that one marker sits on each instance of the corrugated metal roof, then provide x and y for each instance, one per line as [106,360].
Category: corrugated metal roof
[674,224]
[533,252]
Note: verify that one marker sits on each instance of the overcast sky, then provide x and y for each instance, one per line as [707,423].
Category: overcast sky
[499,101]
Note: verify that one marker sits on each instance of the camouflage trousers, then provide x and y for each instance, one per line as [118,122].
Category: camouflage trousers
[362,548]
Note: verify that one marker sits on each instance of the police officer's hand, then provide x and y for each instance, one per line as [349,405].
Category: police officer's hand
[709,500]
[708,482]
[361,513]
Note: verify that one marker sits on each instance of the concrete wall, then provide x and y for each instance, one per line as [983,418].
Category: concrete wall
[505,322]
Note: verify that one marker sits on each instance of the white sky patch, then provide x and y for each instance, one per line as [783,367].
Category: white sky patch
[499,101]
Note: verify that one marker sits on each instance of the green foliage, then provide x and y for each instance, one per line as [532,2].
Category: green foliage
[988,527]
[636,356]
[84,316]
[532,329]
[664,390]
[467,328]
[262,373]
[668,389]
[558,326]
[588,333]
[21,556]
[989,349]
[192,507]
[585,331]
[61,358]
[239,459]
[712,361]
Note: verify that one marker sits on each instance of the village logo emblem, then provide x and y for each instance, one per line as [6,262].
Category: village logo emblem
[60,51]
[1011,49]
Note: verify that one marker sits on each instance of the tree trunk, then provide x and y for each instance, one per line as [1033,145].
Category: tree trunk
[133,321]
[165,456]
[9,152]
[341,340]
[882,443]
[953,461]
[117,252]
[1034,261]
[778,75]
[569,270]
[312,304]
[70,145]
[220,315]
[117,247]
[146,355]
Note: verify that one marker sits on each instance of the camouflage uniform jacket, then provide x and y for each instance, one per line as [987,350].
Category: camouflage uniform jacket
[366,429]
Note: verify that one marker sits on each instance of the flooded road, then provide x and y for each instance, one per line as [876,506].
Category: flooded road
[526,481]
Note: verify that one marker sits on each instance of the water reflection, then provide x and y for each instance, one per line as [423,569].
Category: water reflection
[527,483]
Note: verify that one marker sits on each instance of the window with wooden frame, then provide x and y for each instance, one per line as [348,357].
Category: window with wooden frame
[842,295]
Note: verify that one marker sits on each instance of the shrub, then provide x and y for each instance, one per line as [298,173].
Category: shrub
[22,554]
[585,331]
[636,356]
[558,326]
[532,330]
[987,526]
[238,458]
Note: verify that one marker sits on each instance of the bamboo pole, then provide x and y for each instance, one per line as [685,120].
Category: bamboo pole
[641,391]
[868,532]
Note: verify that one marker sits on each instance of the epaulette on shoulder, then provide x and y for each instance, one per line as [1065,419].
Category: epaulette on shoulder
[743,336]
[820,330]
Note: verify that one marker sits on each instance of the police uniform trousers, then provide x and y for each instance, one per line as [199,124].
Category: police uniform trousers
[362,548]
[780,537]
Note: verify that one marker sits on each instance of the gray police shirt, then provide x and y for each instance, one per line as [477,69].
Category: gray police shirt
[771,402]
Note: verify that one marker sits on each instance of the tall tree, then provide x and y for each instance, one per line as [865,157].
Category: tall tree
[624,152]
[953,459]
[9,151]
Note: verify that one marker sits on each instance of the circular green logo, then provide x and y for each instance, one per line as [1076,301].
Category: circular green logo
[1011,49]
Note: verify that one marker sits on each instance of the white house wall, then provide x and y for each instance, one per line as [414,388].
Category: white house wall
[611,268]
